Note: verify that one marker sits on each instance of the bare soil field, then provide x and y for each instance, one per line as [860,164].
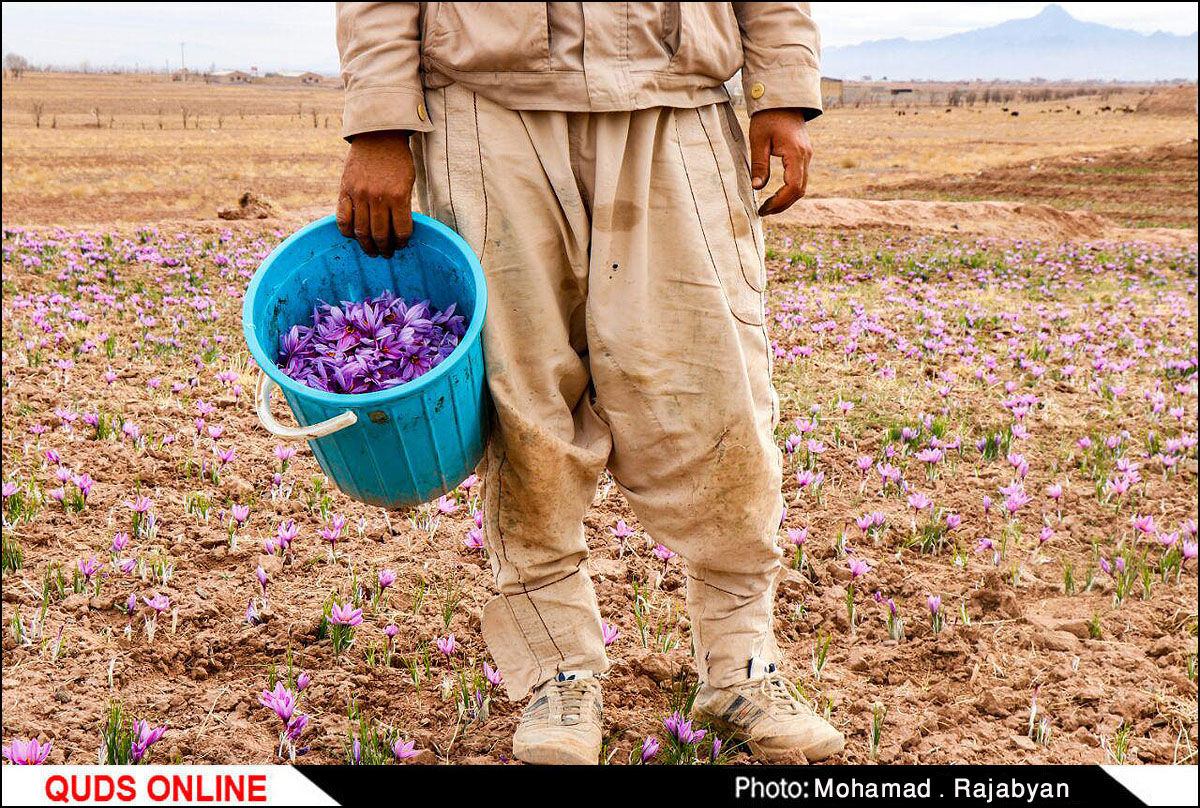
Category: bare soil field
[1019,366]
[992,404]
[115,148]
[1138,186]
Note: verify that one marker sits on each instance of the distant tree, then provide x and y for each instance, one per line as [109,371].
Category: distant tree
[15,64]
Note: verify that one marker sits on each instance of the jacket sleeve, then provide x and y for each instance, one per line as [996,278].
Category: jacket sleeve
[782,51]
[380,48]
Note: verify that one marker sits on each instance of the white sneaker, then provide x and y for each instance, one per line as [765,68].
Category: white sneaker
[561,724]
[769,714]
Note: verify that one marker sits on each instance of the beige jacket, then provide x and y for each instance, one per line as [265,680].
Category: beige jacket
[573,57]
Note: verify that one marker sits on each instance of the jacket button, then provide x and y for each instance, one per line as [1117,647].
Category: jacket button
[757,90]
[421,111]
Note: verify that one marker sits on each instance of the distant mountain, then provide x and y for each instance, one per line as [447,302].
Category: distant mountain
[1052,45]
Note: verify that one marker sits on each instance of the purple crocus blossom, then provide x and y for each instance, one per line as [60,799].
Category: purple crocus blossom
[858,568]
[345,615]
[158,603]
[609,632]
[371,345]
[281,700]
[27,753]
[145,736]
[682,730]
[403,750]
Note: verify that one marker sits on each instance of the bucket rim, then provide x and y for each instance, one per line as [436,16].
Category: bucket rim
[412,388]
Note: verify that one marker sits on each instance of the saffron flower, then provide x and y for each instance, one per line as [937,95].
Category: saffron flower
[919,502]
[609,632]
[333,531]
[286,533]
[934,604]
[145,736]
[445,645]
[474,539]
[27,753]
[649,748]
[284,454]
[858,568]
[370,345]
[681,730]
[345,615]
[159,603]
[281,700]
[342,620]
[403,750]
[87,568]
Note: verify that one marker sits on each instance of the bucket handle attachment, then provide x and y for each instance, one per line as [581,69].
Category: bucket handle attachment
[263,407]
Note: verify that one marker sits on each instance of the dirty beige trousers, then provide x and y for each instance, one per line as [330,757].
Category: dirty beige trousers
[625,329]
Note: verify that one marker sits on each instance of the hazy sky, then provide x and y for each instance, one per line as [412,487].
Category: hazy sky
[300,35]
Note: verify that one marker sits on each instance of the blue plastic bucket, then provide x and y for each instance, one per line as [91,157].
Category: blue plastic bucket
[397,447]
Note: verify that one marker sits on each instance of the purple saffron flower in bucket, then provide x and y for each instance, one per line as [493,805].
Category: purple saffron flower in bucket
[370,345]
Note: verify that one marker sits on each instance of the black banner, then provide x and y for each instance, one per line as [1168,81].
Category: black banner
[703,786]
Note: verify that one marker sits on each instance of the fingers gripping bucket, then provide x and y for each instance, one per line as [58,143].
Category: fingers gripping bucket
[396,447]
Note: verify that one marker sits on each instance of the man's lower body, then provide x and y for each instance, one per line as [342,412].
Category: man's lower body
[625,331]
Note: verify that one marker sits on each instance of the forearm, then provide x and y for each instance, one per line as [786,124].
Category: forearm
[781,47]
[380,49]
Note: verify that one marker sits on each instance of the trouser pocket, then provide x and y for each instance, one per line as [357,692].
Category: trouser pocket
[728,227]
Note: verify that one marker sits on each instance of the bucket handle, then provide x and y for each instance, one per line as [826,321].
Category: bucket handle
[263,407]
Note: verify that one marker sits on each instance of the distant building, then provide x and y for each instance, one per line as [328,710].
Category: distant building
[302,76]
[831,91]
[231,76]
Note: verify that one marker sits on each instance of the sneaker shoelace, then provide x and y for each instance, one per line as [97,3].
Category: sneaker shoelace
[780,691]
[572,693]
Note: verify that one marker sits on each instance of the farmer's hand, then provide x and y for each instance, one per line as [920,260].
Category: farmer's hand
[779,133]
[375,200]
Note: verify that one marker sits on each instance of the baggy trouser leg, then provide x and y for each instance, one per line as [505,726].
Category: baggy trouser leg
[681,362]
[502,179]
[534,635]
[732,623]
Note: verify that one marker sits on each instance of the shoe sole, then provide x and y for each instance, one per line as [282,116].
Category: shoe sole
[813,754]
[555,755]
